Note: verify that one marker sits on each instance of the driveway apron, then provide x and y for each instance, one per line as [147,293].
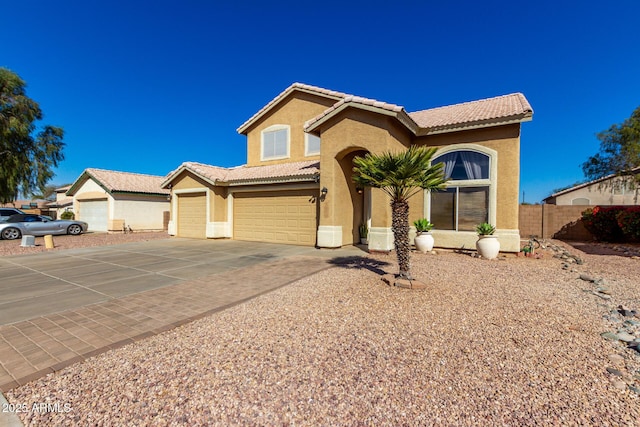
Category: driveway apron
[61,307]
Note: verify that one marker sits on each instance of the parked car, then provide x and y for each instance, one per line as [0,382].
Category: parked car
[5,213]
[37,225]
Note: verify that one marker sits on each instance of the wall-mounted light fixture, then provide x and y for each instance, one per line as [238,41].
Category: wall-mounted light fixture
[359,190]
[324,191]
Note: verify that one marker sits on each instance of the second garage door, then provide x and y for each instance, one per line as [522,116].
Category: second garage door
[276,216]
[192,215]
[94,213]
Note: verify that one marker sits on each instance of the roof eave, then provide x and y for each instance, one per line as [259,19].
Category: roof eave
[275,101]
[502,121]
[272,180]
[401,116]
[184,168]
[84,177]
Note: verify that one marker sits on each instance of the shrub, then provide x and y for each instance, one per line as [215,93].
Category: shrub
[602,223]
[629,222]
[422,225]
[485,229]
[67,215]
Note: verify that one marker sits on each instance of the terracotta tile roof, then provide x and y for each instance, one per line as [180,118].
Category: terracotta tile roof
[353,100]
[114,181]
[210,173]
[505,107]
[501,108]
[245,174]
[274,172]
[60,203]
[296,86]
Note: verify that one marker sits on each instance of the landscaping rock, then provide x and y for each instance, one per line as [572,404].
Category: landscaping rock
[617,359]
[614,371]
[586,278]
[609,336]
[625,337]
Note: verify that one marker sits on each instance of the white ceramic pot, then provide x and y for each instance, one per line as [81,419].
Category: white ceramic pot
[424,242]
[488,246]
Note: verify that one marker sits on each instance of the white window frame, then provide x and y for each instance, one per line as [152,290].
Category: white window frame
[491,182]
[275,128]
[307,153]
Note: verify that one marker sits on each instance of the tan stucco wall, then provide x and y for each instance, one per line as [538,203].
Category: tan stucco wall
[219,202]
[505,140]
[351,132]
[293,111]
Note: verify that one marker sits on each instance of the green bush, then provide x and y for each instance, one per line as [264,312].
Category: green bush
[602,223]
[67,215]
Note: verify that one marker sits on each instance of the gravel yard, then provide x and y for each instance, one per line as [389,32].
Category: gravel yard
[505,342]
[12,247]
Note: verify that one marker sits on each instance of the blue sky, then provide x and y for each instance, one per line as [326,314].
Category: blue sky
[141,86]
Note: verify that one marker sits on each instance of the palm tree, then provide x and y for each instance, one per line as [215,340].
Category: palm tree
[400,175]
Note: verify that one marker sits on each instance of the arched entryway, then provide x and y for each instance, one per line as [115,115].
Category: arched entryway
[359,210]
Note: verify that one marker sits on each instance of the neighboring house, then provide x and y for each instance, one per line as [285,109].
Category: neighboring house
[38,207]
[297,184]
[610,190]
[62,202]
[109,200]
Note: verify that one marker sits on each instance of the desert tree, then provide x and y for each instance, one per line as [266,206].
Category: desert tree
[28,153]
[619,150]
[400,175]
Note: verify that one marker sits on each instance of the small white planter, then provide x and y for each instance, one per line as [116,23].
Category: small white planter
[488,246]
[424,242]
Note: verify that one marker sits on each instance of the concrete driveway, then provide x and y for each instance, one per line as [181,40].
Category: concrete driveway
[58,308]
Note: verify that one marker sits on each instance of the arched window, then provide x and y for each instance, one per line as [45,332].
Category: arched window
[581,201]
[466,201]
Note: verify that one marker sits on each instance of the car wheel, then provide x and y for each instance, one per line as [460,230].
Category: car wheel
[74,229]
[10,233]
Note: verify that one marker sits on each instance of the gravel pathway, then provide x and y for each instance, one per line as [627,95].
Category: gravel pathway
[506,342]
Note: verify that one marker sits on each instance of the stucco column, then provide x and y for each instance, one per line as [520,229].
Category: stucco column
[329,232]
[380,234]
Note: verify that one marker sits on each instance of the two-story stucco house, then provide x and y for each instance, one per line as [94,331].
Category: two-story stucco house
[297,187]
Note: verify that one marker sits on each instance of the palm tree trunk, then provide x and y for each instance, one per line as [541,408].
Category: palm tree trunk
[400,228]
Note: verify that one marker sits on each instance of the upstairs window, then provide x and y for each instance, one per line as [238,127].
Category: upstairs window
[275,142]
[311,145]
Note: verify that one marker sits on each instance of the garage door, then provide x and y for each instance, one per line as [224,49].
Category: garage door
[192,215]
[277,217]
[94,213]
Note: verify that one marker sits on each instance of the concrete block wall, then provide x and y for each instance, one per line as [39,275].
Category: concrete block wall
[553,221]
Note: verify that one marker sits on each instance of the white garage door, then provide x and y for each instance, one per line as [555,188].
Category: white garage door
[93,212]
[276,216]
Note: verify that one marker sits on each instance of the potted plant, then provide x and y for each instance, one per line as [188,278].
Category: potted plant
[364,233]
[488,245]
[424,239]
